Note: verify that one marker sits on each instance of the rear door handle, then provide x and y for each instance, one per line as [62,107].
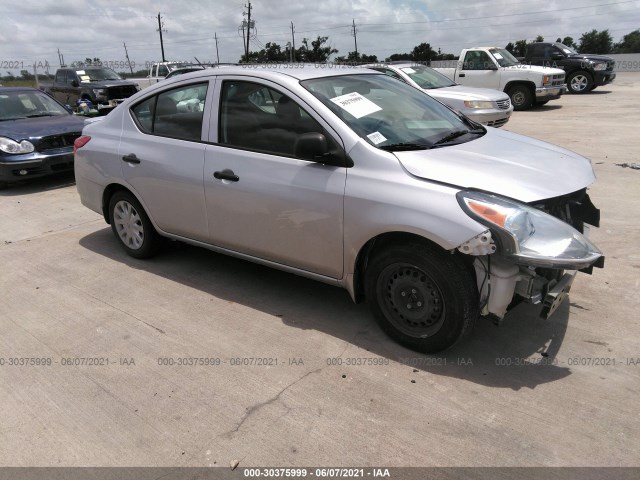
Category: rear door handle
[131,158]
[226,174]
[461,75]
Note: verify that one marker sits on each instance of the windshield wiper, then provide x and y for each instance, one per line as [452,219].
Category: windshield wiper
[397,147]
[33,115]
[456,134]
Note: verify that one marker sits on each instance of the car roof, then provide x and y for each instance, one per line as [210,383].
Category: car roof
[19,89]
[295,70]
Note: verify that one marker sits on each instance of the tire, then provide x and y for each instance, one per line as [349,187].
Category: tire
[580,82]
[440,291]
[521,97]
[132,227]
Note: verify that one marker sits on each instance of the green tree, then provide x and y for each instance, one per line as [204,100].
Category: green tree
[352,57]
[539,38]
[26,75]
[596,42]
[317,51]
[630,43]
[520,48]
[510,48]
[423,53]
[398,56]
[568,41]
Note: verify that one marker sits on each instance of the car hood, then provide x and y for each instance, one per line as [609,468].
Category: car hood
[40,127]
[595,58]
[504,163]
[462,93]
[523,67]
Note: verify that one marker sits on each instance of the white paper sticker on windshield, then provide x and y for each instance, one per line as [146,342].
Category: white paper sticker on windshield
[408,70]
[85,78]
[356,104]
[80,72]
[376,138]
[497,55]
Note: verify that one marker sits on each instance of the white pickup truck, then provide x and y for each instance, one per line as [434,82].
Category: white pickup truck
[493,67]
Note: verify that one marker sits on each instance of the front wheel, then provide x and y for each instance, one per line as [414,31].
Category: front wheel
[521,97]
[132,227]
[424,299]
[579,82]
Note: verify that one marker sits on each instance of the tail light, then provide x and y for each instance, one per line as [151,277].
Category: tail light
[80,142]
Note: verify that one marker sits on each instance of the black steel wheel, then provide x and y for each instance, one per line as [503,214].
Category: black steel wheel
[423,298]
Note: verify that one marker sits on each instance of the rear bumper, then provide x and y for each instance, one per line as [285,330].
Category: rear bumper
[36,164]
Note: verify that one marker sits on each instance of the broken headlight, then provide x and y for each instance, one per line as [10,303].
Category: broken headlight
[530,236]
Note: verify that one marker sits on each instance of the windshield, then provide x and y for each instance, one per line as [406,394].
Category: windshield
[427,77]
[504,57]
[97,75]
[565,49]
[389,114]
[28,104]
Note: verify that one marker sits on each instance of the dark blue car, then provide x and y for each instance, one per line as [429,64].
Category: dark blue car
[36,135]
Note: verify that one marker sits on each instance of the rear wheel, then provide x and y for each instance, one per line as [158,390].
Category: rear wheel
[132,227]
[521,97]
[424,299]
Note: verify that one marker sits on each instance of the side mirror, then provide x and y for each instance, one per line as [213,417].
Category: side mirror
[314,147]
[492,66]
[311,146]
[557,56]
[74,83]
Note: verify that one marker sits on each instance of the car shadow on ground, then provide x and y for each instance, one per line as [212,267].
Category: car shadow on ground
[520,353]
[27,187]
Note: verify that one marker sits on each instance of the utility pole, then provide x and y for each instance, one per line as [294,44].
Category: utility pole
[249,25]
[161,43]
[293,43]
[355,38]
[215,35]
[127,55]
[61,59]
[248,7]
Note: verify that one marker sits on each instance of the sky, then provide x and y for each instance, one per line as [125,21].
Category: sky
[33,31]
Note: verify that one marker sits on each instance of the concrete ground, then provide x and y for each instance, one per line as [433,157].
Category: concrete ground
[69,294]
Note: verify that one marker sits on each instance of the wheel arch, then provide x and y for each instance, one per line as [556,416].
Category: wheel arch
[373,245]
[108,192]
[521,83]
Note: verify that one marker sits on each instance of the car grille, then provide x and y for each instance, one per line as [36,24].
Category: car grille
[55,142]
[557,80]
[120,92]
[504,104]
[575,209]
[497,123]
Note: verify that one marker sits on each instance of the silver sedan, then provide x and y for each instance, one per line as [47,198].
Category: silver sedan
[351,178]
[483,105]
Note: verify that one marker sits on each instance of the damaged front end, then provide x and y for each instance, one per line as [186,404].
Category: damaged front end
[530,252]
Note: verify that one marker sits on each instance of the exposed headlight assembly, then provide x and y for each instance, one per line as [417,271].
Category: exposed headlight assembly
[7,145]
[599,66]
[530,236]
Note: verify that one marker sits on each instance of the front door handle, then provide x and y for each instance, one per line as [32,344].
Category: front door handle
[461,75]
[131,158]
[226,174]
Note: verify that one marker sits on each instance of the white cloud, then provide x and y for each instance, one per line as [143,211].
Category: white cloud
[34,30]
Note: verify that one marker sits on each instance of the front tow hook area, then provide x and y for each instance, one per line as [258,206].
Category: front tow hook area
[556,294]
